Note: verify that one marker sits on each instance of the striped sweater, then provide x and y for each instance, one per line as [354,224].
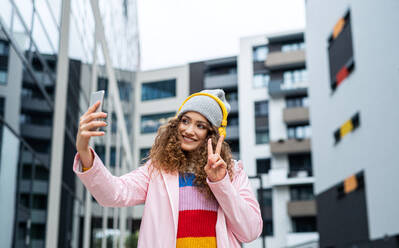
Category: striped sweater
[197,216]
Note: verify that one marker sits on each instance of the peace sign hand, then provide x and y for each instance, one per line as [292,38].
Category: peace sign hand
[216,168]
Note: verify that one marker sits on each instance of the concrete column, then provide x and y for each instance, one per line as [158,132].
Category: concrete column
[57,147]
[117,173]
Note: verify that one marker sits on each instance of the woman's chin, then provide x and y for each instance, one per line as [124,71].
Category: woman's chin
[188,148]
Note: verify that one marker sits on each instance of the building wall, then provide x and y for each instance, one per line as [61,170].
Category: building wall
[372,90]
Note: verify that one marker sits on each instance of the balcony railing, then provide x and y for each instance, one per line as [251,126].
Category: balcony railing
[278,88]
[290,146]
[221,81]
[281,60]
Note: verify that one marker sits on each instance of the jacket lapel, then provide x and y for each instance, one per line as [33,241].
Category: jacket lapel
[171,181]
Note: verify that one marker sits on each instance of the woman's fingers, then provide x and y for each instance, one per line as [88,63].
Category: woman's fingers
[210,149]
[92,116]
[219,144]
[88,134]
[92,125]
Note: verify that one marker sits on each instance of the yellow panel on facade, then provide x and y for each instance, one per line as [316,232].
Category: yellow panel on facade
[346,128]
[338,27]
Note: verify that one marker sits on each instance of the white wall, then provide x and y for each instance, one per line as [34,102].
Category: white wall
[373,90]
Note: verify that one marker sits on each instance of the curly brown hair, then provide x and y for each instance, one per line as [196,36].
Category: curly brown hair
[167,155]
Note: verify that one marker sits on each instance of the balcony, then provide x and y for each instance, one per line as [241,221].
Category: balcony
[277,88]
[43,77]
[283,60]
[298,115]
[302,240]
[221,81]
[279,177]
[36,131]
[35,104]
[301,208]
[27,157]
[290,146]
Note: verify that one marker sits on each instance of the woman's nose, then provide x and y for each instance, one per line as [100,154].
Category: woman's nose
[190,129]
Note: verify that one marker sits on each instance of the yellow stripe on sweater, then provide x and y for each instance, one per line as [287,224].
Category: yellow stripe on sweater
[199,242]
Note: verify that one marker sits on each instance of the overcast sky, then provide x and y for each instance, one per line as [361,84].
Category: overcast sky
[175,32]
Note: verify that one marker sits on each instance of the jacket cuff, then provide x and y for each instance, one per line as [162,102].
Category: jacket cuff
[78,167]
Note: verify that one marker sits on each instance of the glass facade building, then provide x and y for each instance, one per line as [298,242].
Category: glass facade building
[51,55]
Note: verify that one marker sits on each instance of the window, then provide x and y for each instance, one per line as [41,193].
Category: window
[4,48]
[261,122]
[297,101]
[113,157]
[3,76]
[261,80]
[232,96]
[261,108]
[300,165]
[39,202]
[114,124]
[266,201]
[158,90]
[299,132]
[259,53]
[151,123]
[288,47]
[234,145]
[262,166]
[304,224]
[292,78]
[37,231]
[144,153]
[302,192]
[232,120]
[125,89]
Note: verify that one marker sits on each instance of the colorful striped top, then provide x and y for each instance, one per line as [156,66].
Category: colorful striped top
[197,216]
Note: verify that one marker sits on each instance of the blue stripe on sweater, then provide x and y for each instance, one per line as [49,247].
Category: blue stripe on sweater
[186,180]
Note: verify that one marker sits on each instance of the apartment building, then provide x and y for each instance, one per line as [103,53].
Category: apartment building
[220,74]
[275,136]
[354,73]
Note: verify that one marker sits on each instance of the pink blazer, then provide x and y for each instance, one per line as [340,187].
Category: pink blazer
[238,217]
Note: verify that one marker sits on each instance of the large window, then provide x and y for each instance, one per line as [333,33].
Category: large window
[232,120]
[259,53]
[261,80]
[151,123]
[262,166]
[297,101]
[4,48]
[261,122]
[301,192]
[299,131]
[3,76]
[125,88]
[158,90]
[294,46]
[294,77]
[300,165]
[304,224]
[265,199]
[144,153]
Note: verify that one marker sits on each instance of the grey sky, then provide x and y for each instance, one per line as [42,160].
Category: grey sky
[174,32]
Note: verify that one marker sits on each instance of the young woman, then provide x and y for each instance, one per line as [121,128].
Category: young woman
[194,194]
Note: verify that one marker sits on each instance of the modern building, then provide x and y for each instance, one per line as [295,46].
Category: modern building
[275,136]
[158,95]
[220,74]
[352,58]
[49,57]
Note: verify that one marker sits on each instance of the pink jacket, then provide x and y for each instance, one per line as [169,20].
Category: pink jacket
[238,217]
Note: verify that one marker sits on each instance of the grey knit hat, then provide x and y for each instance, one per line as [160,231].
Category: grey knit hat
[207,106]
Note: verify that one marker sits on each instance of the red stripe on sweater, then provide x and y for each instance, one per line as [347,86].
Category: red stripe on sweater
[197,223]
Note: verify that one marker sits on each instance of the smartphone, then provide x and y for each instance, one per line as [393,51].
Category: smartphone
[95,97]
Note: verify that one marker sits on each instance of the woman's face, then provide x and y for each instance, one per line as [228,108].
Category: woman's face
[193,129]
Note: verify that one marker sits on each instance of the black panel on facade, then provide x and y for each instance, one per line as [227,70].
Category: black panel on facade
[340,51]
[342,219]
[196,77]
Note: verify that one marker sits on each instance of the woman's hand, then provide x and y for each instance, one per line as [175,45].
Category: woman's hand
[87,128]
[216,168]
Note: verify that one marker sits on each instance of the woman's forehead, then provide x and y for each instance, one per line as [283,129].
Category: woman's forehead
[195,116]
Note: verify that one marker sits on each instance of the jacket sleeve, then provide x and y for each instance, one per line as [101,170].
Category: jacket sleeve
[111,191]
[239,205]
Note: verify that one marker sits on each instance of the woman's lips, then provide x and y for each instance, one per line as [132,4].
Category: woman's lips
[187,139]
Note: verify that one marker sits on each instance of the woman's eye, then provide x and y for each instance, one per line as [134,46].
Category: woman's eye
[185,121]
[200,126]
